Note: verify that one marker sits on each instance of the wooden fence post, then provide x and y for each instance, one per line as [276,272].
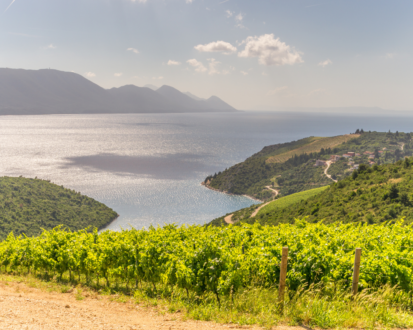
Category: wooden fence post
[356,272]
[283,274]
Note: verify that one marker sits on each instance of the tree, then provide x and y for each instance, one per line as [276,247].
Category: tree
[404,199]
[362,168]
[354,175]
[406,163]
[357,131]
[394,192]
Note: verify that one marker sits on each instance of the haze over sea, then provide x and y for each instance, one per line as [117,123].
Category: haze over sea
[148,167]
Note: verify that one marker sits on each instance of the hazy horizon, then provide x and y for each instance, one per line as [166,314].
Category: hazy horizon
[252,55]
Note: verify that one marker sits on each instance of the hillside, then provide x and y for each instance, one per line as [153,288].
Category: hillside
[289,167]
[370,195]
[30,92]
[30,205]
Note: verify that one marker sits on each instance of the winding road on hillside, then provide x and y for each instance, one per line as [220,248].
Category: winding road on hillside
[228,218]
[328,162]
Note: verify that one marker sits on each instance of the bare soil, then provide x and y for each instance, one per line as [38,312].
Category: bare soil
[24,307]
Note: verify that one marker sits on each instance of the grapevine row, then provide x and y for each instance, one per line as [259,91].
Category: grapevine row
[220,260]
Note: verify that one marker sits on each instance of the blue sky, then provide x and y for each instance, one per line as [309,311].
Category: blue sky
[253,54]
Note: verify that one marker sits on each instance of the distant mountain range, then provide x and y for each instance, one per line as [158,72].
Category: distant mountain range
[30,92]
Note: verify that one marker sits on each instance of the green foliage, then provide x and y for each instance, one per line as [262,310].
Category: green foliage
[221,260]
[297,172]
[28,205]
[369,195]
[290,199]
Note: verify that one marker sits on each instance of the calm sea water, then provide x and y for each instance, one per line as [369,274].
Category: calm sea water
[148,168]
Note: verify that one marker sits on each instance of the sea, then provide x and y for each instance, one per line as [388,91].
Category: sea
[149,167]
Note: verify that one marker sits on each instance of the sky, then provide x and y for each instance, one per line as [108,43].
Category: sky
[255,55]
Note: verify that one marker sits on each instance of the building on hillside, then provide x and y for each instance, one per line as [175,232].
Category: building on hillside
[346,156]
[350,163]
[352,154]
[384,148]
[372,157]
[320,163]
[334,158]
[368,153]
[356,166]
[381,151]
[371,163]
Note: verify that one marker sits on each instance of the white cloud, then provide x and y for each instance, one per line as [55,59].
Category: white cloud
[199,67]
[188,1]
[51,46]
[140,1]
[213,66]
[133,50]
[325,63]
[90,74]
[217,46]
[239,18]
[157,78]
[270,51]
[390,55]
[244,73]
[277,90]
[118,74]
[170,62]
[229,13]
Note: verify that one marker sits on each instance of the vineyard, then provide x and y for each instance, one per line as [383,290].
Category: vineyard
[218,260]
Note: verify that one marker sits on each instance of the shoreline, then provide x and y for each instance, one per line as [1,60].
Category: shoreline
[105,226]
[227,193]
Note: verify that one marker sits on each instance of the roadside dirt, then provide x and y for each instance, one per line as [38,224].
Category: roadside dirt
[23,307]
[228,219]
[325,171]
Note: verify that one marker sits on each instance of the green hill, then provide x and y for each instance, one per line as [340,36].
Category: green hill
[28,205]
[279,203]
[371,195]
[289,167]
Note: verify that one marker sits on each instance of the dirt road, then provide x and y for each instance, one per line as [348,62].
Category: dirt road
[23,307]
[328,162]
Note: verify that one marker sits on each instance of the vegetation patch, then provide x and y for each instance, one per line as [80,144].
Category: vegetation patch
[231,274]
[30,205]
[370,194]
[293,168]
[290,199]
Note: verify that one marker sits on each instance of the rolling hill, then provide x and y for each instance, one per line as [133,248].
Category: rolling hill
[290,167]
[30,92]
[371,195]
[30,205]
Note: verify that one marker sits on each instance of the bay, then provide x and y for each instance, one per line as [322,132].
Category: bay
[148,167]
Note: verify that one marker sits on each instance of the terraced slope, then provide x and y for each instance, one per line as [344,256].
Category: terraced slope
[29,205]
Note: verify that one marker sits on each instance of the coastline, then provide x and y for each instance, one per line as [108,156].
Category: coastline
[107,224]
[227,193]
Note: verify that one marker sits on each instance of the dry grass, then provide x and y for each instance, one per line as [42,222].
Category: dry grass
[315,146]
